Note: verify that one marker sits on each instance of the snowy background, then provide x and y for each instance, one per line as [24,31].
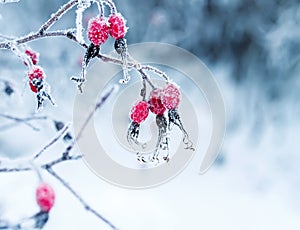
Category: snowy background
[253,50]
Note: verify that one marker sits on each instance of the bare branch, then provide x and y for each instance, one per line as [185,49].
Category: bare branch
[52,142]
[55,17]
[18,120]
[98,105]
[79,198]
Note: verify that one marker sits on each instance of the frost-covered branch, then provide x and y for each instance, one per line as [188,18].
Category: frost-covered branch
[9,166]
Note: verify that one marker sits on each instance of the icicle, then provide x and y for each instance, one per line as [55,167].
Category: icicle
[121,48]
[174,118]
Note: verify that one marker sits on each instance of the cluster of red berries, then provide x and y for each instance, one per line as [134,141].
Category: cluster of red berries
[160,100]
[98,31]
[45,197]
[100,28]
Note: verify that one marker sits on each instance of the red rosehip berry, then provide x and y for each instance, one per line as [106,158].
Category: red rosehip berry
[171,96]
[139,112]
[34,74]
[155,104]
[45,197]
[117,26]
[32,55]
[98,30]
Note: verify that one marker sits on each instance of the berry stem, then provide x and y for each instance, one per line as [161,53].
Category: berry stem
[111,4]
[100,8]
[146,78]
[157,71]
[144,90]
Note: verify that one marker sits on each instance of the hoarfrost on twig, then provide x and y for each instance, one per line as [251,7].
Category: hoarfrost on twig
[81,7]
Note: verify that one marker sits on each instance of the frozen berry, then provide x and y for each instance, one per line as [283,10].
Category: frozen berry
[156,105]
[139,112]
[32,55]
[117,26]
[45,197]
[35,75]
[98,30]
[171,96]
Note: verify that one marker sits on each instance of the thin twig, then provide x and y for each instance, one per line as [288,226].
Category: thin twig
[52,142]
[60,160]
[79,198]
[98,105]
[155,70]
[8,170]
[54,18]
[20,120]
[146,77]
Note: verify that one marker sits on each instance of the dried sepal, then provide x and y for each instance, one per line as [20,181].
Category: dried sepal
[133,135]
[91,52]
[175,119]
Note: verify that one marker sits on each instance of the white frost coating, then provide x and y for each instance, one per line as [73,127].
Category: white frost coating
[81,7]
[8,1]
[25,58]
[19,163]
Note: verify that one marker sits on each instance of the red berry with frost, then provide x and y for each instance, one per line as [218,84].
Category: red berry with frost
[35,74]
[98,30]
[155,103]
[32,55]
[117,26]
[139,112]
[171,96]
[45,197]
